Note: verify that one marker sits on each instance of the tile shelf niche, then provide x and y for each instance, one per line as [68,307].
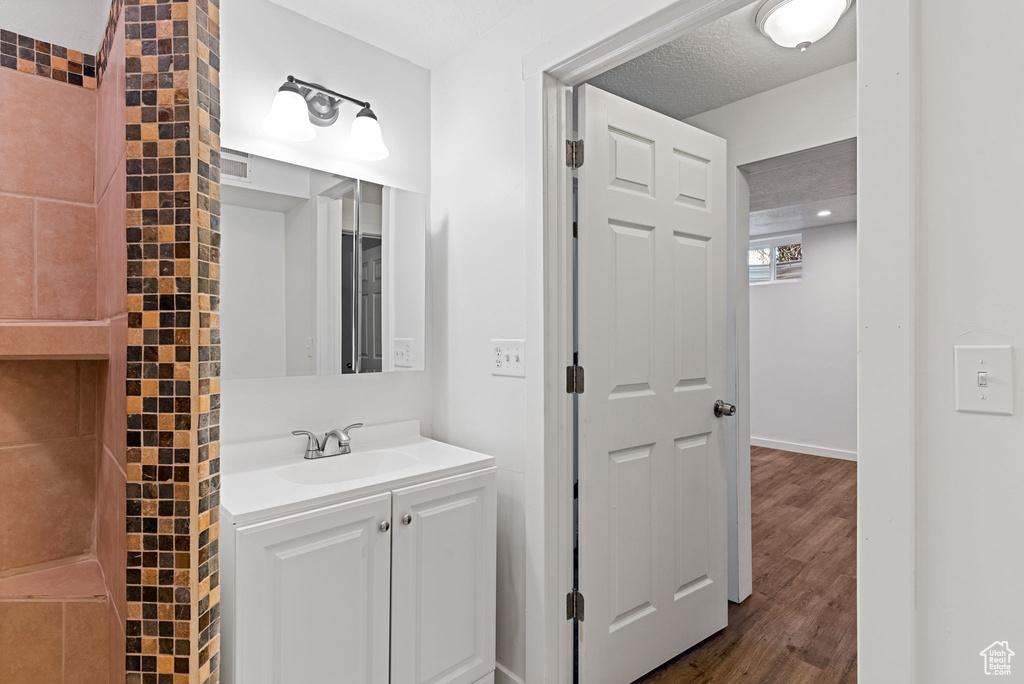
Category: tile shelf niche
[39,339]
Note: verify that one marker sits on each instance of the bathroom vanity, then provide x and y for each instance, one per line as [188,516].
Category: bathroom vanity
[372,567]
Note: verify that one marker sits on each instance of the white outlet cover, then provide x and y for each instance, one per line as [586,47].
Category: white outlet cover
[403,353]
[996,363]
[508,358]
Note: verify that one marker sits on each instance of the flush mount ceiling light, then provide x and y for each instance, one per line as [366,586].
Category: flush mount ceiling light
[799,23]
[299,107]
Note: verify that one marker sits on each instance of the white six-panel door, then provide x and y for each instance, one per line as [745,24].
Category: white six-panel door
[313,601]
[652,480]
[443,581]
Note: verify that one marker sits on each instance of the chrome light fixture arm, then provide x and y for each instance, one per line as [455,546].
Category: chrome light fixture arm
[323,103]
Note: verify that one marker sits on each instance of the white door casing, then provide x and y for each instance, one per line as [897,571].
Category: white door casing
[652,324]
[313,600]
[443,580]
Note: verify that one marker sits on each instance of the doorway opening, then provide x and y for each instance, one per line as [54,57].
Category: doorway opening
[787,120]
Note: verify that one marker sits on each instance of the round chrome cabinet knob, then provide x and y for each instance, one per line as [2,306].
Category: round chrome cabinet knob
[407,519]
[385,526]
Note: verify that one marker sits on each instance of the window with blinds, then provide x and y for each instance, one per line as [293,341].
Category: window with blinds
[776,259]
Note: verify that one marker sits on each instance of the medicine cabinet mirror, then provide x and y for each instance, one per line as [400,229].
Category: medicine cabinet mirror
[320,274]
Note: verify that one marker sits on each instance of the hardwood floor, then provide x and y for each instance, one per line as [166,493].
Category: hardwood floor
[800,624]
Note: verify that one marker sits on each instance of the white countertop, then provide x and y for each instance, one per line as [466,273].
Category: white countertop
[253,489]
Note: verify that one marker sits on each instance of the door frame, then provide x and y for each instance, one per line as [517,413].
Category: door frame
[887,115]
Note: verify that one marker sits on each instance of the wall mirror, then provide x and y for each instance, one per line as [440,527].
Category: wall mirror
[320,274]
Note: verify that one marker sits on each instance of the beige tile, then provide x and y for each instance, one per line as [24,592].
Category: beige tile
[65,260]
[111,248]
[116,639]
[47,502]
[111,538]
[50,340]
[47,151]
[110,118]
[17,286]
[75,580]
[86,643]
[30,642]
[88,386]
[40,401]
[115,419]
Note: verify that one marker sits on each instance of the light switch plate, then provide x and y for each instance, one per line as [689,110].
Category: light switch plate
[984,379]
[403,353]
[508,358]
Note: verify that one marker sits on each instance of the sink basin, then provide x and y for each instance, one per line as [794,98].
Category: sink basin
[354,466]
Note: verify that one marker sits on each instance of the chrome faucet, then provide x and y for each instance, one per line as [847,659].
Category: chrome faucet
[344,441]
[315,449]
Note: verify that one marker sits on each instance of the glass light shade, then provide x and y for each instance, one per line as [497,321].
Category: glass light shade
[365,141]
[798,23]
[289,117]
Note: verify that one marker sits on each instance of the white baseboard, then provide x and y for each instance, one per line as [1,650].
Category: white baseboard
[804,449]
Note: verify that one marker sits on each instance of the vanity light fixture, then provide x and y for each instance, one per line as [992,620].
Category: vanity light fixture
[800,23]
[299,107]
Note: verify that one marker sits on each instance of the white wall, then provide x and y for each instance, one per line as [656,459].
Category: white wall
[803,351]
[252,308]
[77,25]
[970,290]
[406,242]
[263,43]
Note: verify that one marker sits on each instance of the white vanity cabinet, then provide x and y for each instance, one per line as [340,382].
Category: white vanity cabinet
[443,581]
[313,596]
[395,587]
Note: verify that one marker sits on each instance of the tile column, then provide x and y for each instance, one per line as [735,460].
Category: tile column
[173,209]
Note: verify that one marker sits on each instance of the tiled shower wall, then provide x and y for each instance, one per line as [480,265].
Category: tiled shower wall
[47,439]
[47,200]
[62,422]
[112,305]
[145,207]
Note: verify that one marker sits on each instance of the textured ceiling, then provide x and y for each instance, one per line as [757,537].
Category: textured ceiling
[722,62]
[803,216]
[805,181]
[788,192]
[423,32]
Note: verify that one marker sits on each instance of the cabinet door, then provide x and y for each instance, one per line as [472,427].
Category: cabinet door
[313,596]
[443,581]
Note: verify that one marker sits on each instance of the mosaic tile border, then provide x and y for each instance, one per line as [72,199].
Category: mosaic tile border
[108,38]
[207,14]
[172,164]
[31,56]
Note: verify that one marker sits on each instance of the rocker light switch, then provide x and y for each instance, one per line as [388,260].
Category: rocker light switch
[984,380]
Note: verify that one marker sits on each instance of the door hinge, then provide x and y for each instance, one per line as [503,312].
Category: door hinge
[575,229]
[574,605]
[574,379]
[574,153]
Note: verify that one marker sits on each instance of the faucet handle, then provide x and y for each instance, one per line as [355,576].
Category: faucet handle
[313,443]
[351,427]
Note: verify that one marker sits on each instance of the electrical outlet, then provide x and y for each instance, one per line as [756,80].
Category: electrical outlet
[403,353]
[508,357]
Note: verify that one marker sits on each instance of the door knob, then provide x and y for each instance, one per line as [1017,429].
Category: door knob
[724,409]
[385,526]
